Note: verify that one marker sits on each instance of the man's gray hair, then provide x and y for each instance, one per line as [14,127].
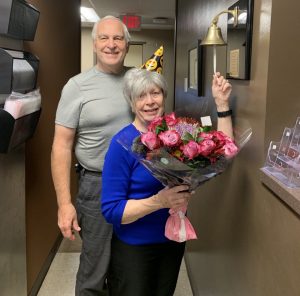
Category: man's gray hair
[125,30]
[139,81]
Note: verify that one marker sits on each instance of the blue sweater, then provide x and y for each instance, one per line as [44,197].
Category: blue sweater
[125,178]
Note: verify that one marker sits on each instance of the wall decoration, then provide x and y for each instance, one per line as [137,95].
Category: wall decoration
[195,72]
[239,40]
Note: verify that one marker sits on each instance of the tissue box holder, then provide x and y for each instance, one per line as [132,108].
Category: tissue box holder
[14,132]
[18,71]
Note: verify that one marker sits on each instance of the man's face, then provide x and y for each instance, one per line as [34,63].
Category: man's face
[110,46]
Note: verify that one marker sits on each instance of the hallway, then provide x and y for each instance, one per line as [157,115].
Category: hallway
[248,224]
[60,279]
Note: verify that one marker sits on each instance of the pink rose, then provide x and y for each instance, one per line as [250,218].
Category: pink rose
[206,147]
[170,138]
[170,119]
[219,135]
[230,149]
[205,136]
[219,138]
[154,123]
[150,140]
[190,149]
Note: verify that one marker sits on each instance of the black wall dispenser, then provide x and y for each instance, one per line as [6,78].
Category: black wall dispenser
[18,71]
[18,75]
[14,132]
[18,19]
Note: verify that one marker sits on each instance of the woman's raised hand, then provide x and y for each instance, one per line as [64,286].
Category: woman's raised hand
[221,90]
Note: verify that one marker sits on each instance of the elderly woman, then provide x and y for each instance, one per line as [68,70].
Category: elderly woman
[143,261]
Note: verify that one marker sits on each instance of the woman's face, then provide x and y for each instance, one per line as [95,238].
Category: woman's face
[149,105]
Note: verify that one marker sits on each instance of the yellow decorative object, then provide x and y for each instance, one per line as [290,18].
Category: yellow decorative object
[160,51]
[155,62]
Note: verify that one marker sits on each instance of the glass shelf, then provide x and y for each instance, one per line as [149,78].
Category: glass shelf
[283,161]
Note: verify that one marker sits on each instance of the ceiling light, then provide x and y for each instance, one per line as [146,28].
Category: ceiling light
[88,14]
[242,18]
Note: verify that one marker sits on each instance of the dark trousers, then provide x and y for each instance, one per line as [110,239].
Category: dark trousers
[148,270]
[96,237]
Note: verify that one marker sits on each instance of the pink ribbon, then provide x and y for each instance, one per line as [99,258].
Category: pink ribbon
[178,227]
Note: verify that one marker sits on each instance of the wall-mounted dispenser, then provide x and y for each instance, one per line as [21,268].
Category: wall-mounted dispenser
[18,71]
[18,19]
[18,119]
[18,75]
[14,132]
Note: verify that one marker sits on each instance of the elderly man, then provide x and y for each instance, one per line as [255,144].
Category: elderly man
[91,110]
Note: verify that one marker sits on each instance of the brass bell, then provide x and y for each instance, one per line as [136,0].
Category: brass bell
[213,36]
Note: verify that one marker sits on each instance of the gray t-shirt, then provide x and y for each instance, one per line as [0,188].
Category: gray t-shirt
[93,103]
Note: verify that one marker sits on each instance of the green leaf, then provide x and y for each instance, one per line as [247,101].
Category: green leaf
[199,139]
[161,128]
[206,129]
[187,137]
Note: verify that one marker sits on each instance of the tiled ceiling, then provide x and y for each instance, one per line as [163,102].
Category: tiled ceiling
[146,9]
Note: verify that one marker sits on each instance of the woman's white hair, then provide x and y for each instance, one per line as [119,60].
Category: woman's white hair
[139,81]
[125,30]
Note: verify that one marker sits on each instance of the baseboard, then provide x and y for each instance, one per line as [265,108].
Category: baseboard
[44,270]
[188,270]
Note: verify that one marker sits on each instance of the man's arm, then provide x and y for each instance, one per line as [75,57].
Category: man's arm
[61,157]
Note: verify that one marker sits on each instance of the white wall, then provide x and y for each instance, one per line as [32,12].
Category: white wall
[87,55]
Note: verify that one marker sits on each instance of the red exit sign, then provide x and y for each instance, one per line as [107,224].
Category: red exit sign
[133,22]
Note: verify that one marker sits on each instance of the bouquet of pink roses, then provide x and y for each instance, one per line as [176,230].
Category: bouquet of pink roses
[182,151]
[179,150]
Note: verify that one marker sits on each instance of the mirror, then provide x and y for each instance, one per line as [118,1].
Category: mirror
[239,41]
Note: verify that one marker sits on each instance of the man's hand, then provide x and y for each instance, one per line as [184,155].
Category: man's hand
[67,221]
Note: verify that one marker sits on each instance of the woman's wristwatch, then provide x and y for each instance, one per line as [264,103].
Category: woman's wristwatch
[224,113]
